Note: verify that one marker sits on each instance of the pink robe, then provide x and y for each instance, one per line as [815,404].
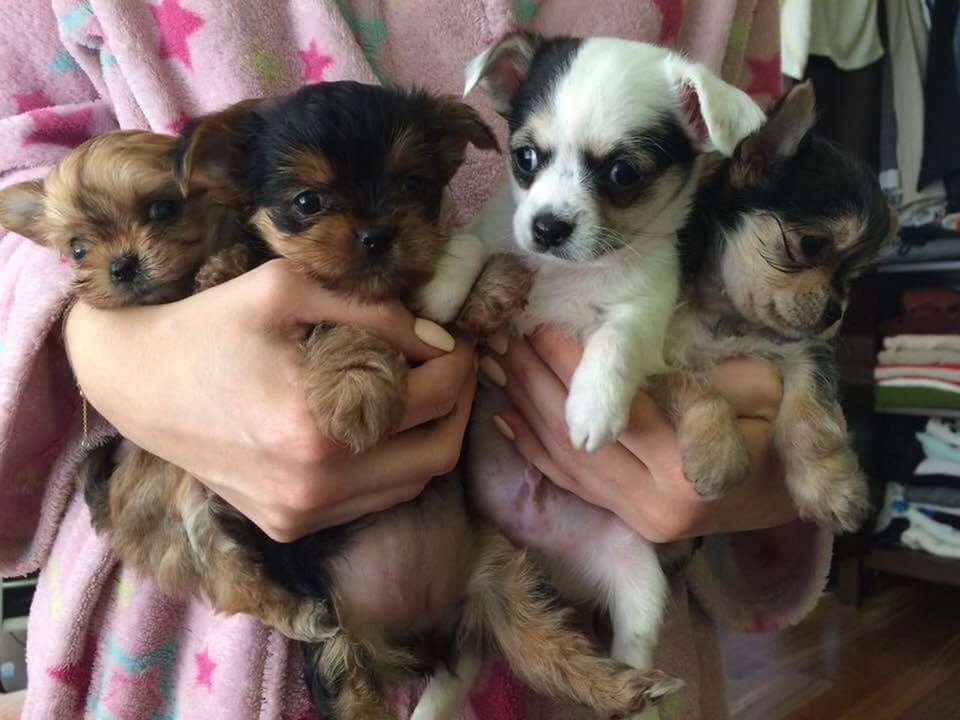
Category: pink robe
[103,643]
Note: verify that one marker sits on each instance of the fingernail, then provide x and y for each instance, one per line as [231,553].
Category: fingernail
[504,429]
[492,371]
[433,335]
[498,343]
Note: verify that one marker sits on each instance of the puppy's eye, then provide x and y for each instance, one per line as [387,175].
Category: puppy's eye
[309,202]
[163,210]
[812,246]
[414,184]
[78,250]
[526,159]
[623,174]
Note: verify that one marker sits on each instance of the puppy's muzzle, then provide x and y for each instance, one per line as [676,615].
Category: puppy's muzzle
[549,231]
[125,268]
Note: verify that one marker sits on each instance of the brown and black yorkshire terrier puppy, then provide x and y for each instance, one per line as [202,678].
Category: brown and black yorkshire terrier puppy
[113,208]
[348,181]
[778,235]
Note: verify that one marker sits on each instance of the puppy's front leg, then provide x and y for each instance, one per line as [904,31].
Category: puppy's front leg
[355,385]
[617,359]
[441,299]
[713,449]
[822,472]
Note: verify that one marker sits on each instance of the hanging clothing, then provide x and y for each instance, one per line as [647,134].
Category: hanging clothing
[847,33]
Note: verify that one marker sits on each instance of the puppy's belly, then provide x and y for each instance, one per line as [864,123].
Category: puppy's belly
[406,572]
[571,534]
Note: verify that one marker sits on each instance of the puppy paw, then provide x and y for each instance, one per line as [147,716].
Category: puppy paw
[713,449]
[646,688]
[225,265]
[498,296]
[831,491]
[596,412]
[444,296]
[355,386]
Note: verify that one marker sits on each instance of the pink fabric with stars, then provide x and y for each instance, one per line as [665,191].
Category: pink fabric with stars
[104,644]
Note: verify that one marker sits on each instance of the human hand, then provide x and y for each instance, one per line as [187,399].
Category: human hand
[640,478]
[214,384]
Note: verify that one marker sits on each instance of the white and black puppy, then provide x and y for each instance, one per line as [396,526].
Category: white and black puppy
[605,157]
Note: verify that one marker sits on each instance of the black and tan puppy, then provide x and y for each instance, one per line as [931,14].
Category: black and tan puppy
[348,181]
[779,233]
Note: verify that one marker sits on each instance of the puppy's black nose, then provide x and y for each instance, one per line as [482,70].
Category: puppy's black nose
[832,313]
[550,231]
[124,269]
[374,241]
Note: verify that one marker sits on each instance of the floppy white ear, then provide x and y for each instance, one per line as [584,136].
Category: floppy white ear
[501,68]
[728,113]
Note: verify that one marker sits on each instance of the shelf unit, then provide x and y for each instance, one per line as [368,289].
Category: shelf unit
[855,554]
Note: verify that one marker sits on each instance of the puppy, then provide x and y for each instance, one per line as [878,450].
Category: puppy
[112,208]
[348,181]
[605,158]
[779,233]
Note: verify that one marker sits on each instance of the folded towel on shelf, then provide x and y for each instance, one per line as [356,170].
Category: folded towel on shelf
[926,310]
[917,393]
[946,430]
[919,357]
[950,373]
[936,466]
[899,521]
[933,480]
[940,496]
[922,342]
[936,449]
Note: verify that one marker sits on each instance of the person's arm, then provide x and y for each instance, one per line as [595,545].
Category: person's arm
[214,384]
[759,568]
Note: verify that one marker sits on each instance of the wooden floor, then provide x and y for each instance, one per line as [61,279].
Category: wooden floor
[897,656]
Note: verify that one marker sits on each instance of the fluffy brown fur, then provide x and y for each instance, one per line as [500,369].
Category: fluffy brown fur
[112,208]
[389,596]
[781,231]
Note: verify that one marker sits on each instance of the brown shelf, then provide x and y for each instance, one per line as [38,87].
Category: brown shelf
[915,564]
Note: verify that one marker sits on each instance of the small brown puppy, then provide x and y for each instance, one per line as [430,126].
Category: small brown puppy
[113,208]
[348,181]
[779,233]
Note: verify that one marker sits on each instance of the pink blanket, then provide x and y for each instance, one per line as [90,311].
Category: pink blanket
[103,643]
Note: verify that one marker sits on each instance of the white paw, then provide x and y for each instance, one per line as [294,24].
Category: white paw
[596,412]
[441,299]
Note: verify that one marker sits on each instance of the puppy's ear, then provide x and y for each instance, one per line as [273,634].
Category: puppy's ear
[465,122]
[21,209]
[788,124]
[501,68]
[727,113]
[214,150]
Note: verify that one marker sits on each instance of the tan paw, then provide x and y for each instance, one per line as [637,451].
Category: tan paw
[713,449]
[645,688]
[831,491]
[225,265]
[498,296]
[355,386]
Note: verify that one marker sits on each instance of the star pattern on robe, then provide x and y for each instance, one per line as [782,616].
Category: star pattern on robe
[31,101]
[76,675]
[175,24]
[314,63]
[67,129]
[205,668]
